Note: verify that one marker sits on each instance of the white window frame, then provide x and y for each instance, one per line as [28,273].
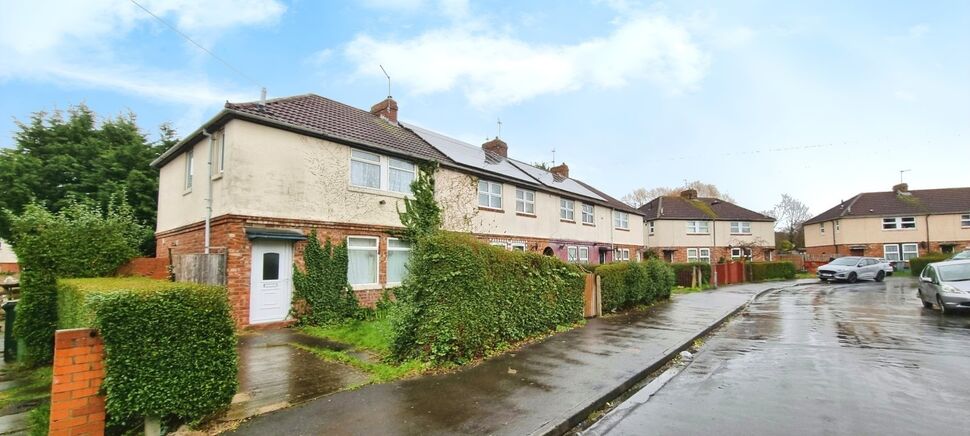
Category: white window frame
[739,252]
[377,248]
[567,209]
[740,227]
[903,251]
[518,246]
[413,170]
[189,169]
[651,227]
[837,224]
[965,220]
[385,166]
[699,255]
[389,250]
[821,228]
[489,195]
[621,254]
[218,155]
[698,227]
[583,254]
[572,254]
[899,223]
[894,254]
[589,211]
[523,204]
[621,220]
[500,244]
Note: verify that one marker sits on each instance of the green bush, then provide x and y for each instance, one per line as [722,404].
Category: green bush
[463,299]
[626,284]
[761,271]
[37,315]
[682,272]
[323,284]
[917,264]
[170,348]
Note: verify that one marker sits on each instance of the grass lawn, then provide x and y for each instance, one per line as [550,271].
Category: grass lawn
[373,336]
[806,275]
[688,290]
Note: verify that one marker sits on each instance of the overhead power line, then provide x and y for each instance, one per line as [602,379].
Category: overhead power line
[189,39]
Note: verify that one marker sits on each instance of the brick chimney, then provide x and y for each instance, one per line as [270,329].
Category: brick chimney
[901,189]
[387,108]
[690,194]
[497,146]
[561,170]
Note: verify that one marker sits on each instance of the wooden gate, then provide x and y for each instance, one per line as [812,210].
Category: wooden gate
[592,297]
[209,269]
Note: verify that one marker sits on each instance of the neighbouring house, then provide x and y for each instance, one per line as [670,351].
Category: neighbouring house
[688,228]
[897,225]
[267,173]
[8,260]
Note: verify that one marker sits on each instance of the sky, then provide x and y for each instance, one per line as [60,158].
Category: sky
[820,100]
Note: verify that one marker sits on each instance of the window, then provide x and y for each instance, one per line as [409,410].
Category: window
[566,209]
[518,246]
[740,228]
[621,220]
[189,170]
[525,201]
[219,155]
[965,220]
[588,210]
[400,174]
[584,254]
[398,252]
[698,227]
[650,227]
[739,252]
[891,252]
[489,194]
[821,228]
[572,254]
[900,222]
[836,225]
[362,260]
[910,251]
[622,254]
[699,255]
[271,266]
[370,170]
[499,244]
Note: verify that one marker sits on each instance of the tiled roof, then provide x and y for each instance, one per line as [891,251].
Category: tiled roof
[704,208]
[330,118]
[616,204]
[918,202]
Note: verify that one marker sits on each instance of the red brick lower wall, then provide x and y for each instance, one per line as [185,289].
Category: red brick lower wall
[9,267]
[153,267]
[824,252]
[77,408]
[679,254]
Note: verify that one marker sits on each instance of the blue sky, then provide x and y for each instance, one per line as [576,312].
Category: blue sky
[820,100]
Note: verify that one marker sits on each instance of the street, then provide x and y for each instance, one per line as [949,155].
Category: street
[857,359]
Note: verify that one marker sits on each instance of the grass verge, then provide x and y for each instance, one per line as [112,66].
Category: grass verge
[36,385]
[373,335]
[688,290]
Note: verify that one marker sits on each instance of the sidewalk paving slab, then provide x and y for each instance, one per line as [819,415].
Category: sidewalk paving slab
[543,388]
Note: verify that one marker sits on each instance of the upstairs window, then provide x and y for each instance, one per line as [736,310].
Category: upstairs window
[899,222]
[621,220]
[650,227]
[698,227]
[965,220]
[740,228]
[588,210]
[821,228]
[566,210]
[189,169]
[400,174]
[365,169]
[489,194]
[370,170]
[525,201]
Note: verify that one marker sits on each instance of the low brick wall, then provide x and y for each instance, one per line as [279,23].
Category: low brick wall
[153,267]
[77,408]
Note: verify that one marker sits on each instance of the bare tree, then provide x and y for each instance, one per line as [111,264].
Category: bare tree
[791,214]
[641,196]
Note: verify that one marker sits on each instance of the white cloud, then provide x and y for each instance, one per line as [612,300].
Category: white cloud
[496,69]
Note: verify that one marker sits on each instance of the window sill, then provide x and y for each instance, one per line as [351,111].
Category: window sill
[741,234]
[621,229]
[374,191]
[187,191]
[698,234]
[490,209]
[899,230]
[589,225]
[216,177]
[367,287]
[567,221]
[527,215]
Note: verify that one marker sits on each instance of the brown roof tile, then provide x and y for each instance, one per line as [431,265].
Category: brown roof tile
[704,208]
[918,202]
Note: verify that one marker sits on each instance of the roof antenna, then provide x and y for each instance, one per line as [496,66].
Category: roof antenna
[262,97]
[901,175]
[388,86]
[499,122]
[554,156]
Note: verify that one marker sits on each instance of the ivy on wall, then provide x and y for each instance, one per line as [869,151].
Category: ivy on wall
[321,290]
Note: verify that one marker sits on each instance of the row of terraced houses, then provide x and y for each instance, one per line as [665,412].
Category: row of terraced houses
[264,174]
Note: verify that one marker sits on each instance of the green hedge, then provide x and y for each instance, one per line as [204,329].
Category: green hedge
[170,348]
[626,284]
[761,271]
[917,264]
[36,318]
[463,298]
[682,272]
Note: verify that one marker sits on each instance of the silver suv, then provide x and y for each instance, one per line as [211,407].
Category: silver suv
[947,284]
[852,269]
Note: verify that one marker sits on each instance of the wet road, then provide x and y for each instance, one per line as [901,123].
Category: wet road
[820,359]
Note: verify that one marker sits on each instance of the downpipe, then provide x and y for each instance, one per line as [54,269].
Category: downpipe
[208,196]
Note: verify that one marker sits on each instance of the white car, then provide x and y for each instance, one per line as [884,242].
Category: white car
[852,269]
[888,266]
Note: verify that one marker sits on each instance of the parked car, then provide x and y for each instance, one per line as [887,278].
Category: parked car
[888,266]
[852,269]
[947,284]
[965,254]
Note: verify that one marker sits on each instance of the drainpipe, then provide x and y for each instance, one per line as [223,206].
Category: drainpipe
[208,197]
[833,239]
[713,262]
[927,236]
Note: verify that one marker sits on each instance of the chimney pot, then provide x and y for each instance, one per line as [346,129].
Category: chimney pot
[497,146]
[561,170]
[387,109]
[690,194]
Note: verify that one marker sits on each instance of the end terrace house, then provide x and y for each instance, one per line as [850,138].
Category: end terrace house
[267,173]
[897,225]
[688,228]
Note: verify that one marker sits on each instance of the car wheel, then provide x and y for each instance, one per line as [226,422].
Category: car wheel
[853,278]
[939,302]
[824,280]
[880,275]
[926,304]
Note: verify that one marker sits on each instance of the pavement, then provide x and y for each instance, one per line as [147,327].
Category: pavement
[864,358]
[545,387]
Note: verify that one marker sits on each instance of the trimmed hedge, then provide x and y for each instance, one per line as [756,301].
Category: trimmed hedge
[36,318]
[761,271]
[626,284]
[682,272]
[917,264]
[463,299]
[170,348]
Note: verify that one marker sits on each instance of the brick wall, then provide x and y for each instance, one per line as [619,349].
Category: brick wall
[153,267]
[758,254]
[77,408]
[9,267]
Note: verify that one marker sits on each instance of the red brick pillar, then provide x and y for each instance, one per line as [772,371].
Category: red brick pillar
[76,406]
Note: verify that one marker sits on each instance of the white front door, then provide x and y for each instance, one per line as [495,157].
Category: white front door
[270,294]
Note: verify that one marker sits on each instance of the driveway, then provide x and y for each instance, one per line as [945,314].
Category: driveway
[820,359]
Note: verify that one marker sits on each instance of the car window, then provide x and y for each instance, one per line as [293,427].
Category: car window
[931,273]
[954,272]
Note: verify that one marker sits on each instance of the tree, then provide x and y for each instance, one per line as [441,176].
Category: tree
[542,165]
[422,214]
[790,214]
[60,158]
[641,196]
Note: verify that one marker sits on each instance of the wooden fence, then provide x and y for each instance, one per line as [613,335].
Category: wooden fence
[730,273]
[208,269]
[592,297]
